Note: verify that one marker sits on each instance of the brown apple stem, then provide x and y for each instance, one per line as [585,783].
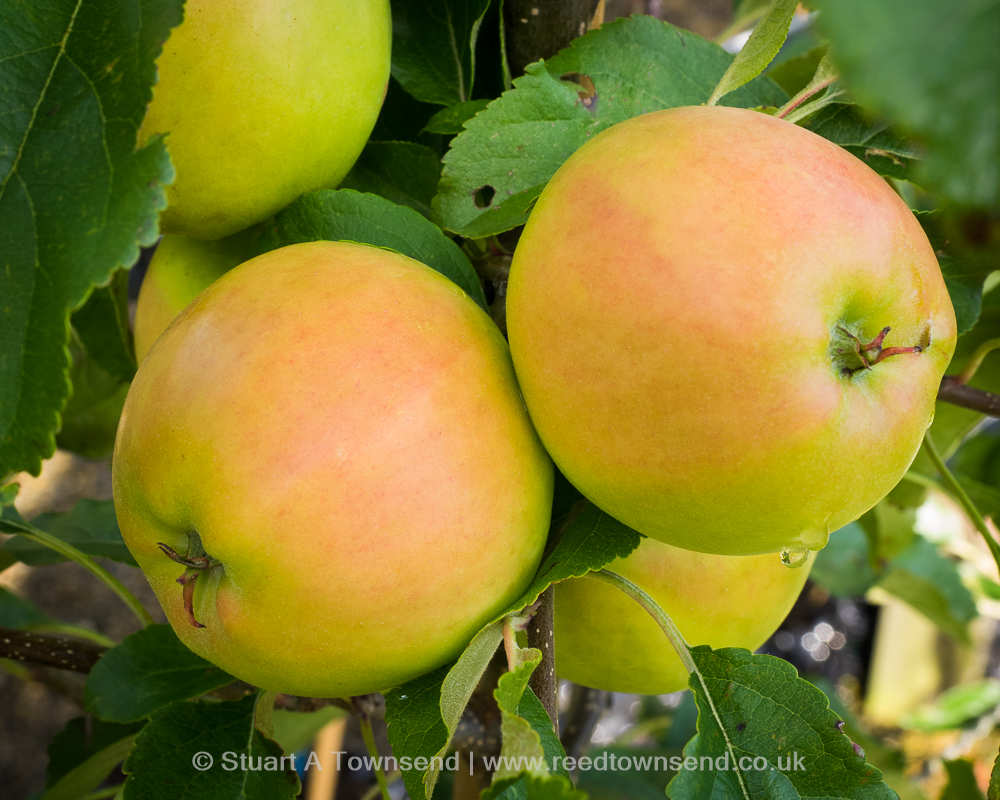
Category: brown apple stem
[876,342]
[188,580]
[874,346]
[958,394]
[541,635]
[49,651]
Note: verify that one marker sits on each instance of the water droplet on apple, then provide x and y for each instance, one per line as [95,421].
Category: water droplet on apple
[815,538]
[794,557]
[931,420]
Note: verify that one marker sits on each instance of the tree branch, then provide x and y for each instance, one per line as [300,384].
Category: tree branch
[541,635]
[49,651]
[536,29]
[960,394]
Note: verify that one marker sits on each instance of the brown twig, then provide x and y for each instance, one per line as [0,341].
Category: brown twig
[48,650]
[539,30]
[541,635]
[960,394]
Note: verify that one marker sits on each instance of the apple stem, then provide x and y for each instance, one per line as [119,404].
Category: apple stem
[875,345]
[187,580]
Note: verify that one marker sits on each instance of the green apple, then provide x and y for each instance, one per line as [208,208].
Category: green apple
[264,101]
[178,272]
[332,437]
[729,332]
[604,639]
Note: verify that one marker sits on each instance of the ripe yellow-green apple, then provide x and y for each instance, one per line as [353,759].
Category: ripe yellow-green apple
[331,439]
[264,100]
[729,332]
[606,640]
[178,272]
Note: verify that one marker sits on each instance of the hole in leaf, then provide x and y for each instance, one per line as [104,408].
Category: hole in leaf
[484,196]
[586,91]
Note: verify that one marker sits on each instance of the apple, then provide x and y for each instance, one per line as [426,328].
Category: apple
[331,440]
[179,270]
[263,102]
[605,640]
[728,331]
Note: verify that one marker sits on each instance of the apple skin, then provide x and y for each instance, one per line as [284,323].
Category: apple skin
[342,428]
[606,640]
[178,272]
[263,101]
[673,306]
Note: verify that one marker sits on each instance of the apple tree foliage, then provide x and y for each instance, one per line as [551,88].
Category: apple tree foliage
[460,153]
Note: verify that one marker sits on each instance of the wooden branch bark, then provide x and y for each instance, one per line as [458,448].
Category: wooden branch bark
[537,29]
[48,650]
[966,396]
[541,635]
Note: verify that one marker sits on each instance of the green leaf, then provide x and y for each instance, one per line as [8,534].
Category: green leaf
[102,325]
[293,730]
[875,143]
[530,709]
[161,765]
[932,68]
[346,215]
[80,739]
[91,526]
[90,418]
[403,172]
[842,567]
[756,707]
[422,714]
[16,612]
[931,584]
[403,117]
[147,671]
[521,746]
[451,120]
[76,197]
[963,279]
[890,532]
[759,50]
[955,707]
[87,776]
[534,787]
[625,68]
[433,47]
[890,760]
[962,783]
[993,792]
[530,749]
